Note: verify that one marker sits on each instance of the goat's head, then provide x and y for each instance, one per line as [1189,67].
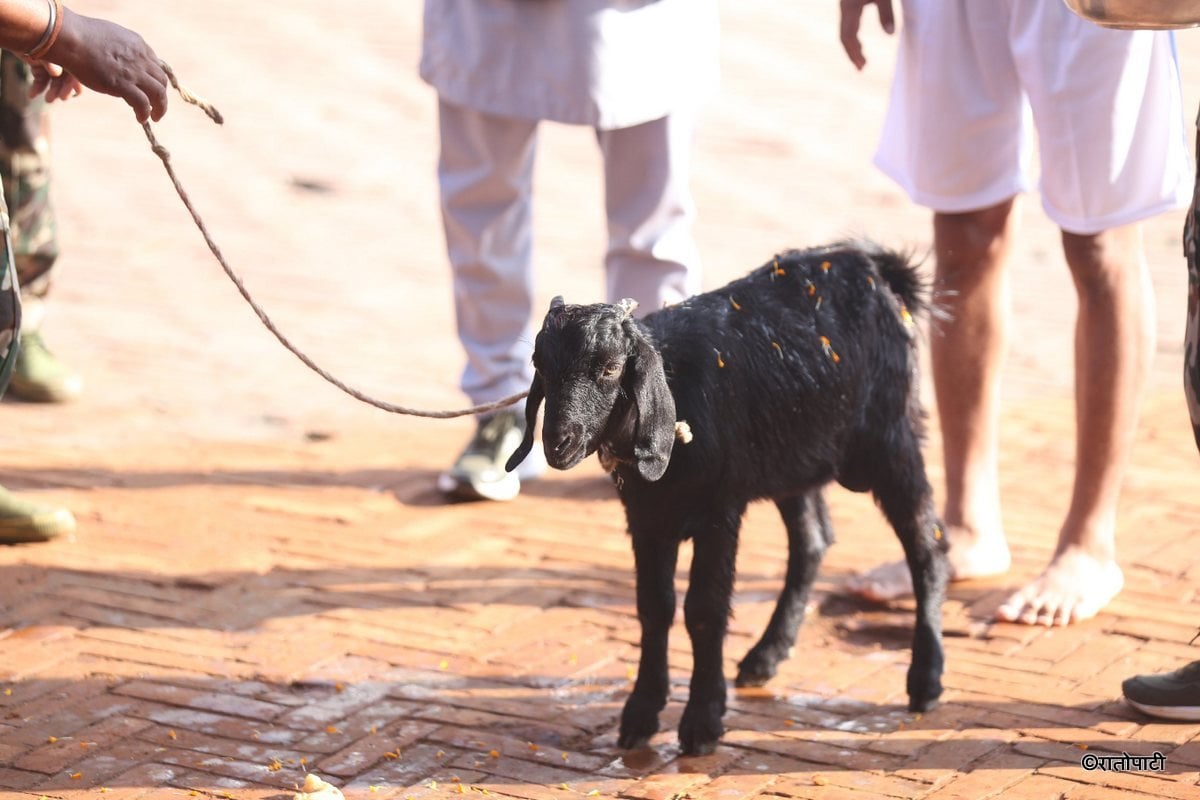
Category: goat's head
[603,385]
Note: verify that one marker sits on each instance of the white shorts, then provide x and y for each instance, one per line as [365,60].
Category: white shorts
[973,77]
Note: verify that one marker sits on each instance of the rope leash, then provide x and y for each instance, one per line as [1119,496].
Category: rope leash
[392,408]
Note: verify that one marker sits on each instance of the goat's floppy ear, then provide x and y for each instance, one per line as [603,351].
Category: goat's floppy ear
[654,431]
[536,393]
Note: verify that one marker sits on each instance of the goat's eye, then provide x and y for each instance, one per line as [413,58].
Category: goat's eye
[611,370]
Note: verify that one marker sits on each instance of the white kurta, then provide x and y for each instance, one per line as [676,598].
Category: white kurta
[604,63]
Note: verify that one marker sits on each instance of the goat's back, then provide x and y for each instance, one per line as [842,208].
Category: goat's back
[782,373]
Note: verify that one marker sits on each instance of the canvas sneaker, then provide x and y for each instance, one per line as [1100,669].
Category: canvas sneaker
[1170,695]
[479,474]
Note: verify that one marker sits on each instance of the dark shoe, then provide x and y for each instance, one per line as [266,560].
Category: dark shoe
[39,377]
[1170,695]
[22,521]
[479,474]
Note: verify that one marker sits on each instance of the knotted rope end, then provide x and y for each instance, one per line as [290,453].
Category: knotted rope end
[190,97]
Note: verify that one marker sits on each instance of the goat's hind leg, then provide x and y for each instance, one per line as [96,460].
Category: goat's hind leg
[902,490]
[809,533]
[655,558]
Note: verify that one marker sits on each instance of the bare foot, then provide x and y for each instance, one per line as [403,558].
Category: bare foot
[1073,587]
[970,556]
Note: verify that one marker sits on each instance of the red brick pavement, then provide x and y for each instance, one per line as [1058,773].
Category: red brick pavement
[264,582]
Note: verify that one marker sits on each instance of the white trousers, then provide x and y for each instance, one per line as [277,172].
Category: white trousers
[485,175]
[974,76]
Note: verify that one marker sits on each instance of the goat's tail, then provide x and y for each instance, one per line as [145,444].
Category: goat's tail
[901,272]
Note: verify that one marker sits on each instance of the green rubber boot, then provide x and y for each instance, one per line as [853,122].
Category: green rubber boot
[22,521]
[39,377]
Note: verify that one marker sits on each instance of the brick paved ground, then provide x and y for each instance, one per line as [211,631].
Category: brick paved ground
[264,583]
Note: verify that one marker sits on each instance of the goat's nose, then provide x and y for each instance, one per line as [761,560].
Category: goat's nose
[564,443]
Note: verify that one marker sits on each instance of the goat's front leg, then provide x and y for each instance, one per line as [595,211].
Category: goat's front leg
[706,613]
[810,532]
[655,557]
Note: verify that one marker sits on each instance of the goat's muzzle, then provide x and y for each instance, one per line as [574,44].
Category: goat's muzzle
[565,445]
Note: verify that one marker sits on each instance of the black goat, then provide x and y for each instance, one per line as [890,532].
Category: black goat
[801,373]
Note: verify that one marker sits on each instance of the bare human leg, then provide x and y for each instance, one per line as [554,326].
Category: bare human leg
[1114,343]
[968,350]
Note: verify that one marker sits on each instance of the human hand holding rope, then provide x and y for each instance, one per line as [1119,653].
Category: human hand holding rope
[76,51]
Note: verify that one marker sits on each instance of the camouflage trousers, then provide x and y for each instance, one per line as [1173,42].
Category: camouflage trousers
[10,303]
[28,242]
[25,174]
[1191,337]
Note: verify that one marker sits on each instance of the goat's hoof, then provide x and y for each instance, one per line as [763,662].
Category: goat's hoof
[924,693]
[639,721]
[922,704]
[926,699]
[700,729]
[633,741]
[755,670]
[697,748]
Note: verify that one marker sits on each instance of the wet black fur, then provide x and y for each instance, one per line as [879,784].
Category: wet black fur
[776,413]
